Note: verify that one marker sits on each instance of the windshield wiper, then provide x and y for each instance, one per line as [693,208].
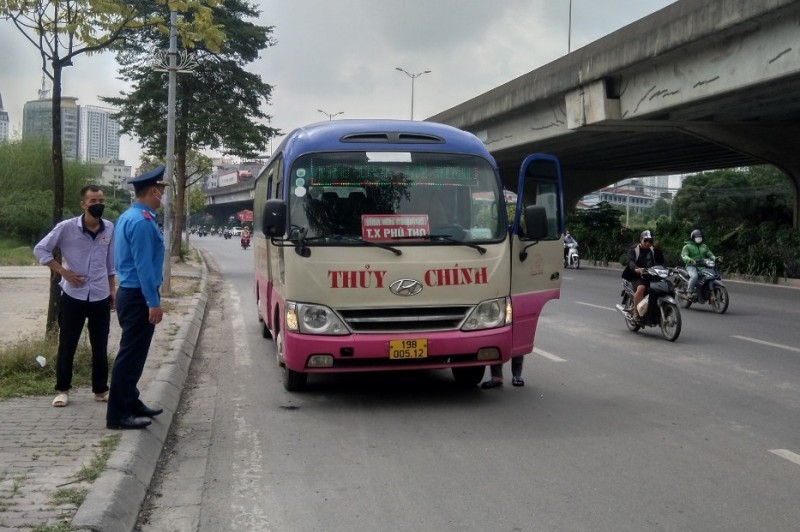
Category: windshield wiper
[445,238]
[360,240]
[302,240]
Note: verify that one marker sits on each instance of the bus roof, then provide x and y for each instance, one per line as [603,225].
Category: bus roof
[380,135]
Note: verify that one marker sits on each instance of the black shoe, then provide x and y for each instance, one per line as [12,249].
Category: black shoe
[127,423]
[144,411]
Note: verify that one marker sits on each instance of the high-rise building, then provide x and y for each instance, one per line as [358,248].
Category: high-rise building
[99,134]
[5,128]
[656,186]
[37,122]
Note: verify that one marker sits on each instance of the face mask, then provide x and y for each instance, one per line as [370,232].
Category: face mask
[160,195]
[96,210]
[699,239]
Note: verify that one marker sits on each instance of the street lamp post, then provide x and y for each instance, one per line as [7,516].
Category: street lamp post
[329,115]
[569,29]
[169,63]
[413,77]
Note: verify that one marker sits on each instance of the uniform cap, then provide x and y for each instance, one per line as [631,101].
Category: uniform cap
[149,179]
[646,234]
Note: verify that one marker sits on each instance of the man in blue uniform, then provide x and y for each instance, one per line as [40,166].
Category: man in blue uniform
[138,260]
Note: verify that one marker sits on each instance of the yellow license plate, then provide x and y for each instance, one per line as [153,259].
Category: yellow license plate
[402,349]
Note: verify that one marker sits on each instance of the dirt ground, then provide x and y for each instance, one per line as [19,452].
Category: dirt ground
[23,312]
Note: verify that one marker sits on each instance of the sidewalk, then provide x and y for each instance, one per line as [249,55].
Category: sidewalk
[43,449]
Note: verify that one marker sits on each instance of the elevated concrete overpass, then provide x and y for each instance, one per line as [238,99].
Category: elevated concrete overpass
[698,85]
[224,202]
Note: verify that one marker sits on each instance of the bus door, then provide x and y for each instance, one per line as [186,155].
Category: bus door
[536,248]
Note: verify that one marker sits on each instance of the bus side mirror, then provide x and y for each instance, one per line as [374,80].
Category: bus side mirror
[535,222]
[273,221]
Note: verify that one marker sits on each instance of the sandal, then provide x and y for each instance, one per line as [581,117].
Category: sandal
[491,384]
[61,399]
[101,397]
[517,381]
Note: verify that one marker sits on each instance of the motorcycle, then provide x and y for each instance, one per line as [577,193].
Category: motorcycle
[658,308]
[245,242]
[226,234]
[573,259]
[710,288]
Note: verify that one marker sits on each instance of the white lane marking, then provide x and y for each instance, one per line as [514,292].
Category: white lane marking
[595,306]
[762,342]
[547,355]
[789,455]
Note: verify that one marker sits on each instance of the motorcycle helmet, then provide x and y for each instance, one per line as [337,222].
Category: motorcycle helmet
[697,236]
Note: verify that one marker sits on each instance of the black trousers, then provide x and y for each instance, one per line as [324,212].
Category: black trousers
[134,344]
[72,316]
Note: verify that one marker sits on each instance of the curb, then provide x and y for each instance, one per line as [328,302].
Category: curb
[115,498]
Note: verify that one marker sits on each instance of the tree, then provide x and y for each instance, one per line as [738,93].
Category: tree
[724,199]
[64,29]
[219,106]
[26,179]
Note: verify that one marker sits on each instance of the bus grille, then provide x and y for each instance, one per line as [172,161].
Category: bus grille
[404,319]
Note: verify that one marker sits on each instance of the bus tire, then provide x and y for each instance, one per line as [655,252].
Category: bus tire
[264,329]
[294,381]
[469,376]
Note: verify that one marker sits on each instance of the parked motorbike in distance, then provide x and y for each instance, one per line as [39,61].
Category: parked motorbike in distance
[710,288]
[662,308]
[573,259]
[245,242]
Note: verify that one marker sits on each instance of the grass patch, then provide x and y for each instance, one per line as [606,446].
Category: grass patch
[61,526]
[14,253]
[21,375]
[74,496]
[98,464]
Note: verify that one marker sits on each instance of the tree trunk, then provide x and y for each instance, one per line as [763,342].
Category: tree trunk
[180,192]
[180,175]
[54,304]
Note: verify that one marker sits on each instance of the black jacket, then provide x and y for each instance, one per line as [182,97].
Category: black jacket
[638,258]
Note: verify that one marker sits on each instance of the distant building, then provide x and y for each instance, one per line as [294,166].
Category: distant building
[629,197]
[37,122]
[99,134]
[113,172]
[656,186]
[5,128]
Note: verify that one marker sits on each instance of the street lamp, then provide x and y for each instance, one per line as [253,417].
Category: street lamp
[168,62]
[569,29]
[329,115]
[413,77]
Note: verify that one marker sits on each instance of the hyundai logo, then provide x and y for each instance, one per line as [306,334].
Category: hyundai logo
[406,287]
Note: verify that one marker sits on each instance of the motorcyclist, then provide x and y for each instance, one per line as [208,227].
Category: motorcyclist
[640,257]
[568,239]
[693,251]
[245,238]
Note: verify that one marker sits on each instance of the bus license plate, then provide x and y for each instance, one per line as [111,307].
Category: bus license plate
[402,349]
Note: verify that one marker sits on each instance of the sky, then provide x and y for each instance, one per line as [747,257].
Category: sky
[342,56]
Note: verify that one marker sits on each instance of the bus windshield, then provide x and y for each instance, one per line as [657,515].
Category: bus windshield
[395,196]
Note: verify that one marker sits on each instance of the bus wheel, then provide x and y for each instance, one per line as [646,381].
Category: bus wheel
[264,329]
[470,376]
[294,381]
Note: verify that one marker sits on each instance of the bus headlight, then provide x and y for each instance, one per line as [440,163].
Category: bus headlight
[313,319]
[489,314]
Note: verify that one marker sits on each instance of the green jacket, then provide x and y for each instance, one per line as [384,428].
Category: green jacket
[691,251]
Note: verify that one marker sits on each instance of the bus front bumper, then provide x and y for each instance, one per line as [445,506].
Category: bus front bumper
[370,352]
